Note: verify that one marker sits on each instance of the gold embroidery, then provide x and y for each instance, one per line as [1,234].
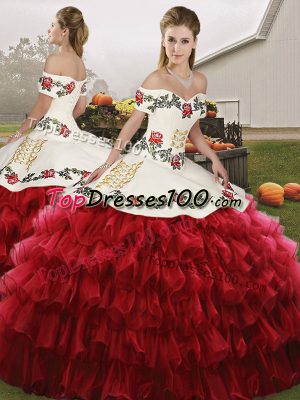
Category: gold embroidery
[27,152]
[120,175]
[178,138]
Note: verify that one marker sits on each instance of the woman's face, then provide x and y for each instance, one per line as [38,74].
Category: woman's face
[179,43]
[55,33]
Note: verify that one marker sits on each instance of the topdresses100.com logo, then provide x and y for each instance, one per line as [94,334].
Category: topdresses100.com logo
[183,199]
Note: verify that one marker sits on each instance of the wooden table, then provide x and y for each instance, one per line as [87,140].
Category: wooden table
[235,161]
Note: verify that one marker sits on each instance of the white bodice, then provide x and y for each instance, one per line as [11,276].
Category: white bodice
[166,134]
[65,92]
[56,152]
[156,165]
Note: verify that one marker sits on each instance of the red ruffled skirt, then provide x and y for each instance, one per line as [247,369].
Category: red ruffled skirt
[17,211]
[104,304]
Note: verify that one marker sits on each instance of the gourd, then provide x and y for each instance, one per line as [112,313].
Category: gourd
[218,146]
[102,99]
[292,191]
[190,148]
[209,142]
[230,145]
[271,193]
[211,114]
[95,97]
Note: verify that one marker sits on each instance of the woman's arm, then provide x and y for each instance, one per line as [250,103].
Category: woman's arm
[80,107]
[195,134]
[81,104]
[38,111]
[134,122]
[127,132]
[197,138]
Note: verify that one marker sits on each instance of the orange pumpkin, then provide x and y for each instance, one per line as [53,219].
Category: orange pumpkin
[188,140]
[211,114]
[292,191]
[209,142]
[95,97]
[230,145]
[101,99]
[217,146]
[190,148]
[271,193]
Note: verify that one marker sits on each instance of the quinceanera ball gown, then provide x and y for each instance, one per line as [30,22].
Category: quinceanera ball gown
[153,302]
[55,153]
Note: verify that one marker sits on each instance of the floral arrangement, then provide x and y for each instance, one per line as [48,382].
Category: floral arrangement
[211,105]
[125,106]
[107,116]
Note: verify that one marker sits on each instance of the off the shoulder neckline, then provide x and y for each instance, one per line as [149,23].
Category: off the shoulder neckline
[169,91]
[65,76]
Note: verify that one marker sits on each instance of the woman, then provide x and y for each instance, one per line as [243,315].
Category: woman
[56,151]
[156,301]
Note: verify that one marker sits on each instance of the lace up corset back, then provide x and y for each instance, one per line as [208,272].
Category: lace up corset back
[170,119]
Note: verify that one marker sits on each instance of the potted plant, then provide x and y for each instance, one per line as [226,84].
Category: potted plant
[212,109]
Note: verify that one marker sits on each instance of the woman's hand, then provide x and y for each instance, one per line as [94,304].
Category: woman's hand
[12,139]
[218,168]
[95,175]
[15,136]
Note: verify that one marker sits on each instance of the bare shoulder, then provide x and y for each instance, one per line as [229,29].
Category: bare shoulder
[154,80]
[201,81]
[52,64]
[68,65]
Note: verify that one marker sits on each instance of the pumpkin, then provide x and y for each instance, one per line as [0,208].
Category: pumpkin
[190,148]
[209,142]
[101,99]
[229,145]
[94,98]
[211,114]
[188,140]
[271,193]
[292,191]
[218,146]
[105,100]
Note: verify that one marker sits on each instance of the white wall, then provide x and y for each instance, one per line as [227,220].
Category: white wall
[263,75]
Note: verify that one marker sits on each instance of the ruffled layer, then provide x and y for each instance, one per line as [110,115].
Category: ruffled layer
[17,211]
[104,304]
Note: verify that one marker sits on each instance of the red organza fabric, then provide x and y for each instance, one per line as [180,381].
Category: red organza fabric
[210,311]
[17,210]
